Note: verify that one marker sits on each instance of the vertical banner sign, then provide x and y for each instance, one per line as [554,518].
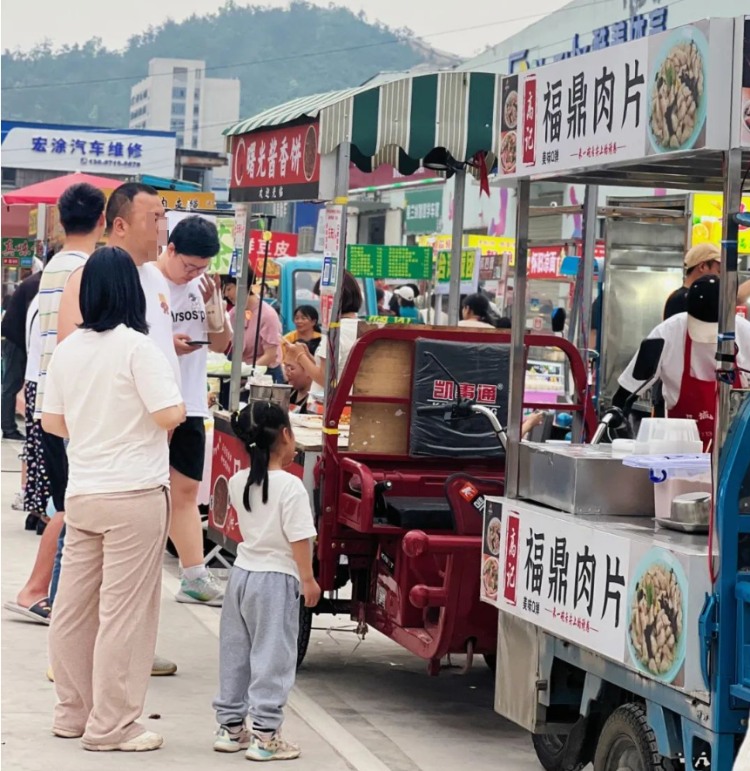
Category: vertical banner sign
[331,244]
[240,226]
[529,121]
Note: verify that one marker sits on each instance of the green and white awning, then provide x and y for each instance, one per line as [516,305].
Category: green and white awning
[398,119]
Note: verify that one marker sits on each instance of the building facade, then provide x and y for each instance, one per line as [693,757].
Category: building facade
[177,96]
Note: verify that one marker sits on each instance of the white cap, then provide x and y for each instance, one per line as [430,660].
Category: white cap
[405,293]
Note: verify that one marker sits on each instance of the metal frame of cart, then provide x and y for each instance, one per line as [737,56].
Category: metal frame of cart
[548,669]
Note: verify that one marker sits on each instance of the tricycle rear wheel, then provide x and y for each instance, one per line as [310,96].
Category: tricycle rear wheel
[627,742]
[305,630]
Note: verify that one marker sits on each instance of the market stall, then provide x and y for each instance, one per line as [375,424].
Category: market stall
[636,636]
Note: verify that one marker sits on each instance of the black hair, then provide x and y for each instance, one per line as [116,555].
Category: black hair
[479,305]
[708,263]
[259,426]
[393,304]
[309,312]
[80,208]
[415,288]
[351,294]
[111,292]
[122,199]
[195,237]
[227,280]
[380,295]
[503,323]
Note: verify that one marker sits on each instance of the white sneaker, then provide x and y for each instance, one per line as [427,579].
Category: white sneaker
[144,742]
[232,739]
[18,504]
[205,590]
[272,748]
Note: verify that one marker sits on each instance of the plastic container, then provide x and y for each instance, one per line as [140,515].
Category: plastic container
[668,436]
[623,447]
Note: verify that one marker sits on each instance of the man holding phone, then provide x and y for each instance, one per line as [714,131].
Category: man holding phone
[199,322]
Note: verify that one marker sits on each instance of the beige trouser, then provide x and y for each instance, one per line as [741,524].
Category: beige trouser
[103,633]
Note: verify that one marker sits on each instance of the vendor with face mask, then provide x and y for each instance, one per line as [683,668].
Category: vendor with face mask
[687,367]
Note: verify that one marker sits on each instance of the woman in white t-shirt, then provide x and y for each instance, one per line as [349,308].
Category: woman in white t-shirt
[314,366]
[114,394]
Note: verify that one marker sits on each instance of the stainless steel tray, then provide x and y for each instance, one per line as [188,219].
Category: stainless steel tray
[582,479]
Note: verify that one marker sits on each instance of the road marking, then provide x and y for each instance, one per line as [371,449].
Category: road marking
[328,728]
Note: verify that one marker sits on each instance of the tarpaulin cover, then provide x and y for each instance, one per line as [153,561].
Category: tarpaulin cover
[483,372]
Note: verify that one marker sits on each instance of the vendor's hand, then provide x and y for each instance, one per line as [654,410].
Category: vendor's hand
[210,287]
[311,592]
[293,351]
[180,345]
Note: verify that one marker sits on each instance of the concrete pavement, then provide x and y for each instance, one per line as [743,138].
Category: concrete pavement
[367,707]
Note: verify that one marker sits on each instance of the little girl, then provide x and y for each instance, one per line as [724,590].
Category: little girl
[260,616]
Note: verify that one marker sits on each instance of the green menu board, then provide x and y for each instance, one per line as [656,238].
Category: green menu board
[394,262]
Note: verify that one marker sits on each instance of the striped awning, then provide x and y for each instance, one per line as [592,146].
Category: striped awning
[399,119]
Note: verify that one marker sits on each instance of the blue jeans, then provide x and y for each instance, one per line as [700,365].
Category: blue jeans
[56,568]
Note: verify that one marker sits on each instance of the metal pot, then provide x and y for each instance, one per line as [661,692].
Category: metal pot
[690,512]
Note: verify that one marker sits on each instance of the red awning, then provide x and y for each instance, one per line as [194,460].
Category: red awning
[51,189]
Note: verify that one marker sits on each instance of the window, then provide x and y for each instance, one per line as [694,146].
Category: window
[9,176]
[197,94]
[176,125]
[180,75]
[178,108]
[198,74]
[179,93]
[196,125]
[196,109]
[194,143]
[180,140]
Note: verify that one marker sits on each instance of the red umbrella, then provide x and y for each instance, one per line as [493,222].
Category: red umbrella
[50,190]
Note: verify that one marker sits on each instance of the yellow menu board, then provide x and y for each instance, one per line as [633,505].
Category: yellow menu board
[706,225]
[485,244]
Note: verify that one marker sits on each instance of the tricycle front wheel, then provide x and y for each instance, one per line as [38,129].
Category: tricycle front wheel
[627,743]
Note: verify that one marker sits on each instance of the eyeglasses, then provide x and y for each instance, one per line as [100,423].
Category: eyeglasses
[192,270]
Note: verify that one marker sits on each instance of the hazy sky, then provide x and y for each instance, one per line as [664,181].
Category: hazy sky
[443,23]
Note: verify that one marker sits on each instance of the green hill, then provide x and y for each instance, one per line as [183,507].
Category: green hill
[278,54]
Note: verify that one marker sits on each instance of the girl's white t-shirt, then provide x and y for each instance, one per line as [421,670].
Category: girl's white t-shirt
[269,529]
[347,339]
[33,342]
[106,384]
[189,318]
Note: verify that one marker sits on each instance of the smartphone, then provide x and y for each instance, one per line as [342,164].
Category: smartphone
[198,342]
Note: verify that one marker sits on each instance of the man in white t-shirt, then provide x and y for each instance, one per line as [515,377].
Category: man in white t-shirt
[199,321]
[136,223]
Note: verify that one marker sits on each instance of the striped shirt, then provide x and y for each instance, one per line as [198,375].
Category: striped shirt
[54,278]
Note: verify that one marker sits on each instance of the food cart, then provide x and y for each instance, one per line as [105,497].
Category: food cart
[620,642]
[374,485]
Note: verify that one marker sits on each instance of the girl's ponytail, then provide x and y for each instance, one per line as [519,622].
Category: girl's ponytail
[258,425]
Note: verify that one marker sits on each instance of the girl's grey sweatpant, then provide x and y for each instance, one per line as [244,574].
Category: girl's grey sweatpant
[257,648]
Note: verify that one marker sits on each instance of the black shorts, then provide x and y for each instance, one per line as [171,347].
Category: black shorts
[56,460]
[187,450]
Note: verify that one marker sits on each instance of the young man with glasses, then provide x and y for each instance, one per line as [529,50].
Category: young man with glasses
[198,322]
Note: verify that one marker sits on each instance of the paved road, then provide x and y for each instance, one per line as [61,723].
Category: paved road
[367,708]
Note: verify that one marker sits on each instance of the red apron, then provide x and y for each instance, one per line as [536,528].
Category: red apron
[697,399]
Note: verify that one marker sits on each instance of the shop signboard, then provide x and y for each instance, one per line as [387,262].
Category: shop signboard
[393,262]
[182,200]
[424,211]
[18,252]
[618,105]
[488,246]
[276,164]
[279,245]
[630,599]
[642,22]
[707,225]
[222,263]
[470,263]
[386,176]
[99,151]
